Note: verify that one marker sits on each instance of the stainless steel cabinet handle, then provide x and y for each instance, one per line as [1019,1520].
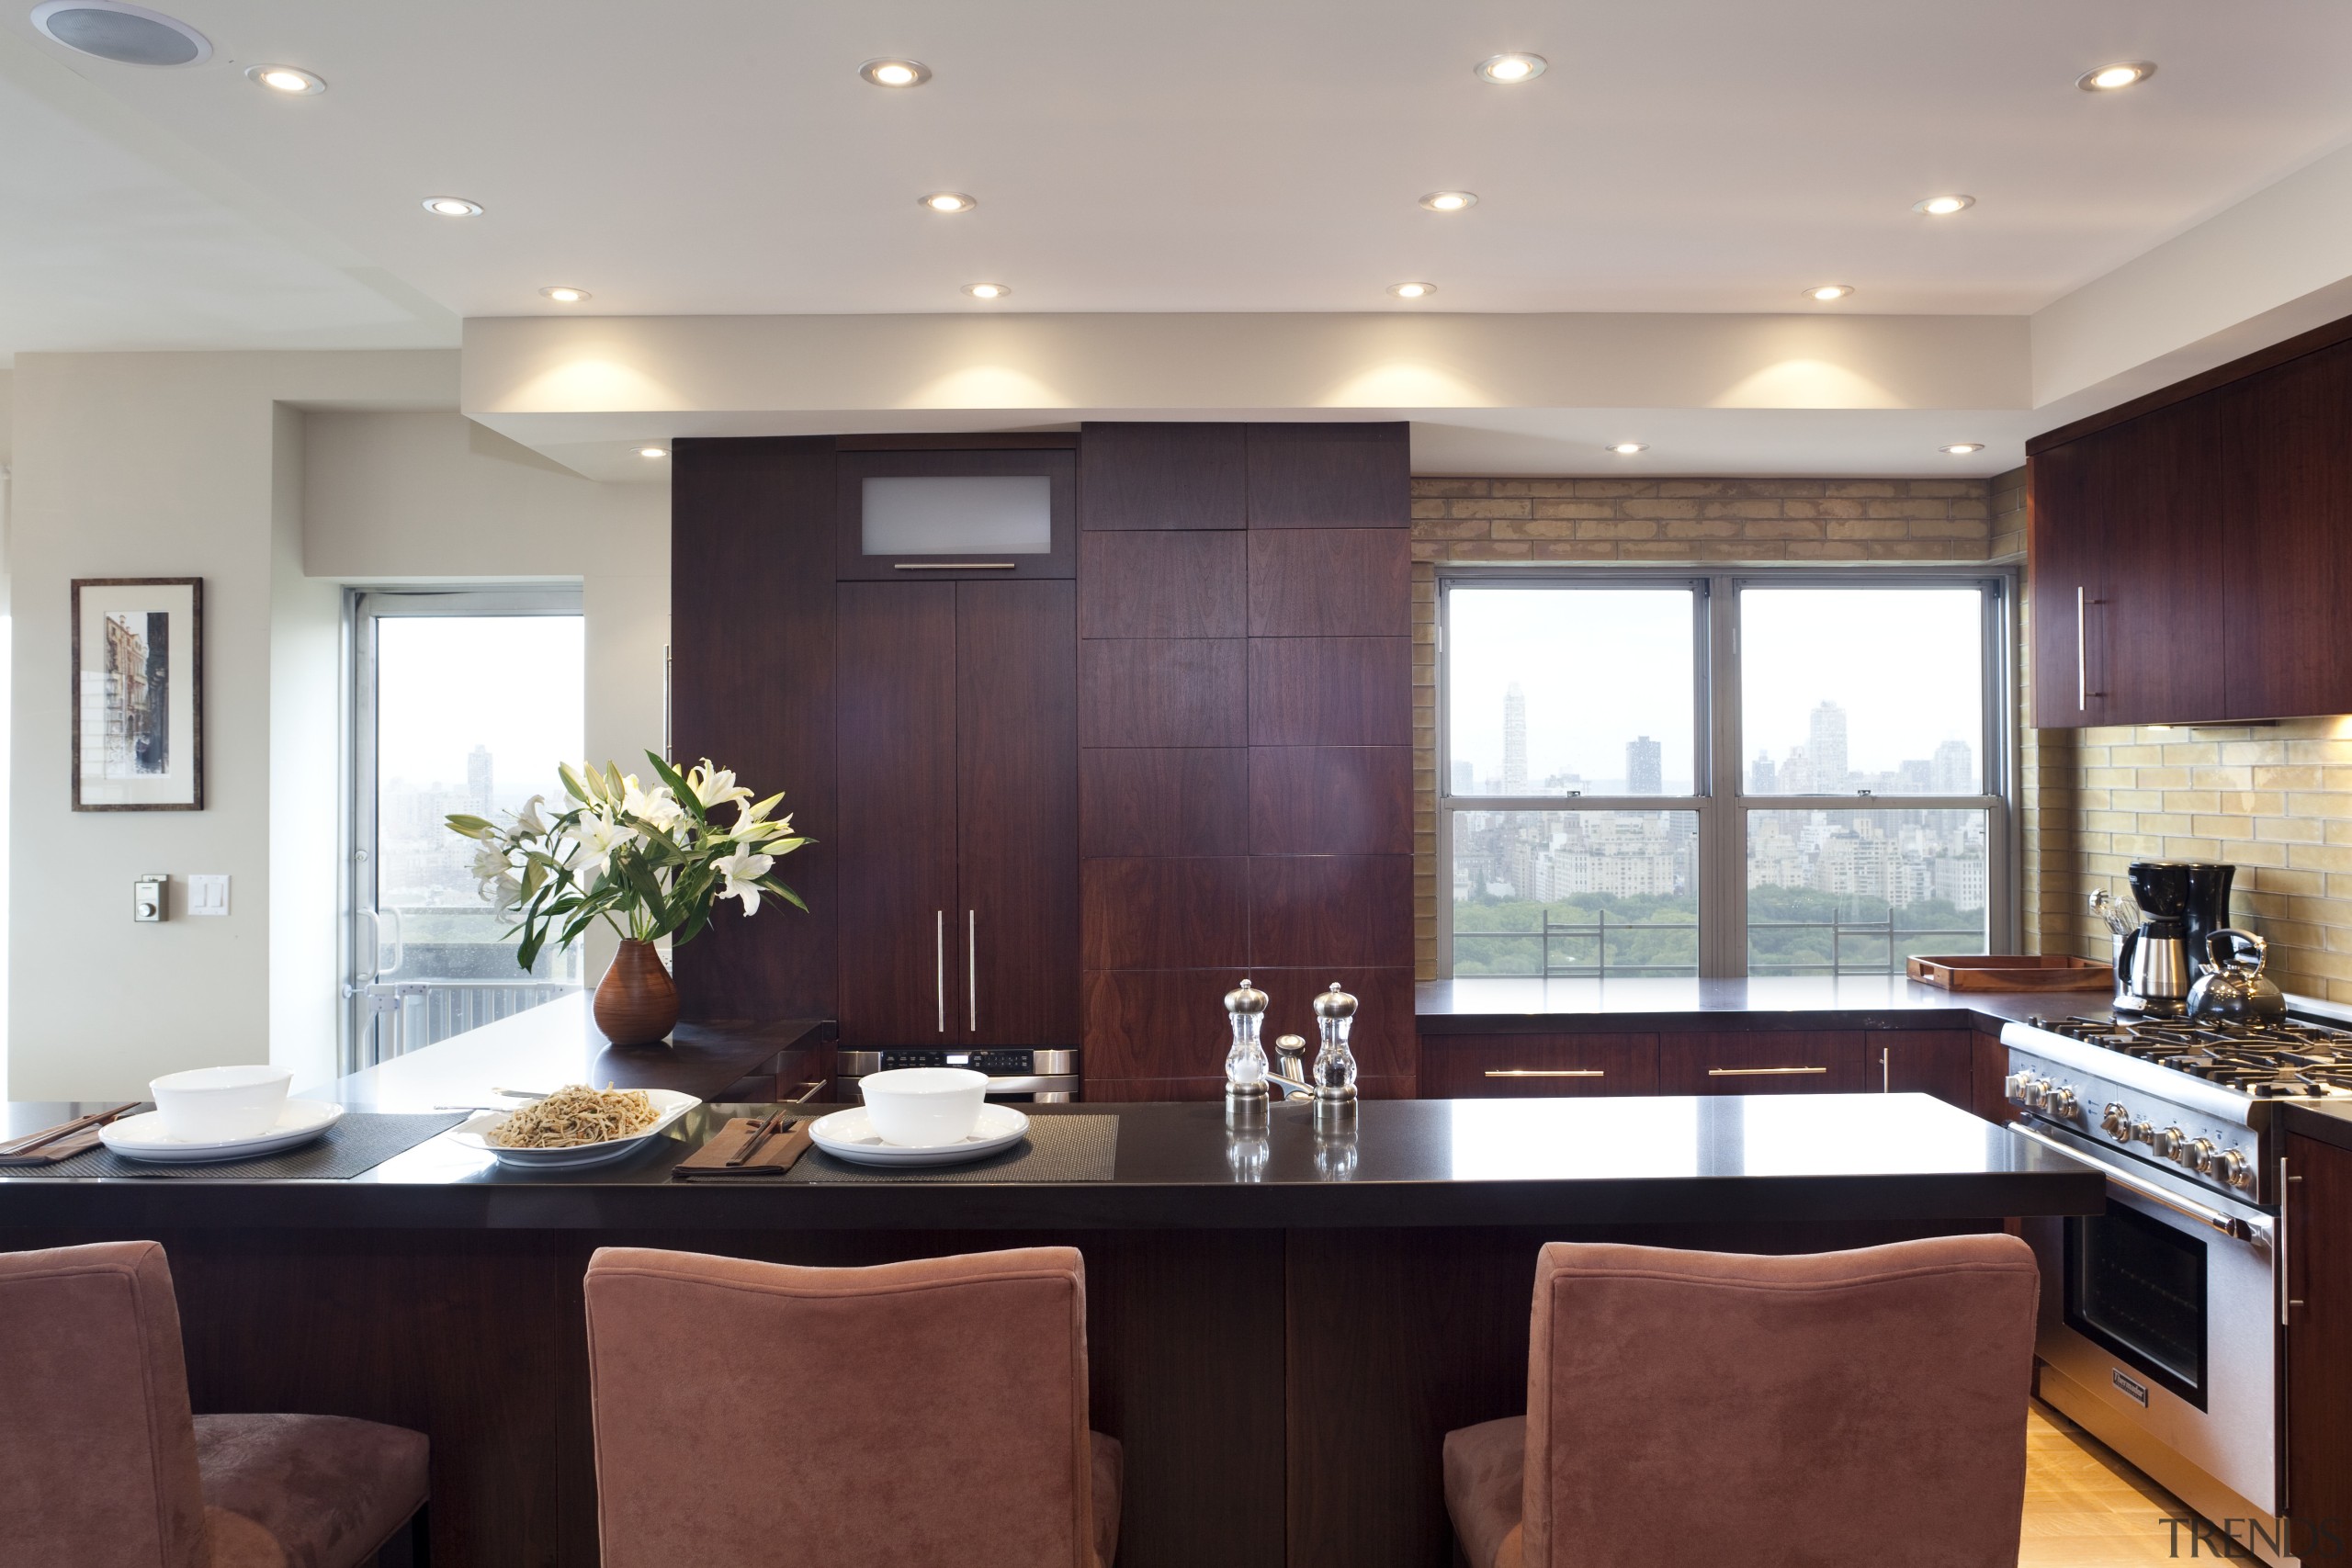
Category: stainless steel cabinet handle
[1547,1072]
[1761,1072]
[809,1091]
[2082,657]
[954,566]
[972,970]
[1885,1073]
[939,953]
[2287,1303]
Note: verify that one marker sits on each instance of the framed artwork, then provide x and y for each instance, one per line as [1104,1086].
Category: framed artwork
[139,693]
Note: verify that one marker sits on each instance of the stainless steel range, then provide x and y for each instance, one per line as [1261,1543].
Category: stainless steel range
[2160,1319]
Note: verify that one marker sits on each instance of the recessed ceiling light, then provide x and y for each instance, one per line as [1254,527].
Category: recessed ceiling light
[452,206]
[1509,70]
[654,451]
[1627,448]
[291,80]
[1449,200]
[127,35]
[949,201]
[1963,448]
[895,72]
[1830,291]
[2114,78]
[563,294]
[986,290]
[1943,206]
[1412,290]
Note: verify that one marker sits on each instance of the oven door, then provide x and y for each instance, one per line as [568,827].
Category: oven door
[2160,1317]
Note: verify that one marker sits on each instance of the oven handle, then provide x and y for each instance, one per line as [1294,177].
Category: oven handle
[2213,1218]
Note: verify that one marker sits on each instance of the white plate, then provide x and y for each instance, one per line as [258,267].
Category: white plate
[669,1103]
[142,1136]
[850,1136]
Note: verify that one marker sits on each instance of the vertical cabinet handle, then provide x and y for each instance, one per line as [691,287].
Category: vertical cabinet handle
[1885,1074]
[2082,657]
[2287,1303]
[972,970]
[939,953]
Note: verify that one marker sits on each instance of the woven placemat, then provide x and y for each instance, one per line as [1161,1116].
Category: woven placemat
[1058,1148]
[360,1142]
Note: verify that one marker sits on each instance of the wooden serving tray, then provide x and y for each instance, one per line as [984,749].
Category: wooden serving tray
[2013,972]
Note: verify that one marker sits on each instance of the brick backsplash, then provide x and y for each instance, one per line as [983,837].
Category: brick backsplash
[1716,522]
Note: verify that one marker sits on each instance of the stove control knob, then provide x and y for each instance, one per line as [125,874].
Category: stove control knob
[2116,1122]
[2200,1157]
[2019,1085]
[2236,1169]
[2169,1142]
[2143,1130]
[2062,1104]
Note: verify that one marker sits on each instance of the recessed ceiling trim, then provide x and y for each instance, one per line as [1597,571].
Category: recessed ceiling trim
[118,31]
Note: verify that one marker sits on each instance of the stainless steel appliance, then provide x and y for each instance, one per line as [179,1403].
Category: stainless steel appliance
[2181,904]
[2160,1318]
[1037,1074]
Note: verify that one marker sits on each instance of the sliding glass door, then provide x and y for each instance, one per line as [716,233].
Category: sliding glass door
[465,700]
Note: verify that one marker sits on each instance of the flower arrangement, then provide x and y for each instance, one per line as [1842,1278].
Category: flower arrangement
[650,862]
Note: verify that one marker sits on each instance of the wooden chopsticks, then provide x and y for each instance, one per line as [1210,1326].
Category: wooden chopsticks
[27,1145]
[758,1136]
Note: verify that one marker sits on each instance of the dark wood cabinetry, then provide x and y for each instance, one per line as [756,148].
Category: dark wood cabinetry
[2319,1341]
[2189,552]
[1481,1066]
[1941,1062]
[959,804]
[1606,1061]
[1780,1061]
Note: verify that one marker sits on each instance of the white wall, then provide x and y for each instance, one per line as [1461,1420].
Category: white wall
[259,473]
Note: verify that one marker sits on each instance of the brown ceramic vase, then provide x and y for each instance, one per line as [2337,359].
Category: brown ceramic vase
[637,1004]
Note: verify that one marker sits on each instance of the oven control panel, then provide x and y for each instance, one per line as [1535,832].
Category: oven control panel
[1001,1062]
[2220,1153]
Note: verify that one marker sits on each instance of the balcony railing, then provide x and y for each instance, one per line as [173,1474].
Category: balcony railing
[1597,932]
[411,1014]
[1839,929]
[1593,963]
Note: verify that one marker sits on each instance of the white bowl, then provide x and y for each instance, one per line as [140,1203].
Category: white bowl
[217,1104]
[923,1108]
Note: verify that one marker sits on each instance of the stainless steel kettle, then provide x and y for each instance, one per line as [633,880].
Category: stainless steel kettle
[2233,991]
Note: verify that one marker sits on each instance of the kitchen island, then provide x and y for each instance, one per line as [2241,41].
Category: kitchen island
[1281,1331]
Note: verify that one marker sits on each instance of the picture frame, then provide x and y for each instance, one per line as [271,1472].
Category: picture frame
[138,694]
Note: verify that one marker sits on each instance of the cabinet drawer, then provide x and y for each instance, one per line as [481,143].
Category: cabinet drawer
[1778,1061]
[1941,1062]
[1475,1066]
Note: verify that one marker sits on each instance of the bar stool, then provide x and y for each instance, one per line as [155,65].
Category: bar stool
[750,1414]
[1841,1410]
[101,1465]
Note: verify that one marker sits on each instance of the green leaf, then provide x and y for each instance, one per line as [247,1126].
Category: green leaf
[670,776]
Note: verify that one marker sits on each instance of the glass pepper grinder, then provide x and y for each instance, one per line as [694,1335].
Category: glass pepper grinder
[1245,1059]
[1335,1064]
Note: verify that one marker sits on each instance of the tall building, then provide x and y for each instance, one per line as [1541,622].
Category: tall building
[1955,769]
[1465,782]
[1514,739]
[1828,750]
[1796,773]
[1645,767]
[477,779]
[1763,778]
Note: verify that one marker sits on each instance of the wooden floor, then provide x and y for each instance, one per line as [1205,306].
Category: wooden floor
[2084,1506]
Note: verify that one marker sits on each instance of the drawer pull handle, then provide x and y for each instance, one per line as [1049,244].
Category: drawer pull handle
[954,566]
[1547,1072]
[1761,1072]
[809,1091]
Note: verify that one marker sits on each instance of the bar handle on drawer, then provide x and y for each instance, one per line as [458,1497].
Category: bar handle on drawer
[939,955]
[1761,1072]
[1547,1072]
[809,1091]
[954,566]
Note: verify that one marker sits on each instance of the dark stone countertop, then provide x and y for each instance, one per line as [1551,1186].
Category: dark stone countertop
[1497,1006]
[2330,1122]
[1648,1161]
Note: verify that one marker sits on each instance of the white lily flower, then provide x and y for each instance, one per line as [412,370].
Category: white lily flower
[489,863]
[659,807]
[713,786]
[603,837]
[506,892]
[743,871]
[527,819]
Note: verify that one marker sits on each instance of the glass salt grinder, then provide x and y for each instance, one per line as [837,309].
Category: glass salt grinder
[1245,1059]
[1335,1064]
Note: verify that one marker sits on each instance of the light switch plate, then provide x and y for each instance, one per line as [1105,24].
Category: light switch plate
[208,894]
[147,899]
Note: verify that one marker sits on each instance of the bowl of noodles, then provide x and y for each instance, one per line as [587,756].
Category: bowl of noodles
[574,1126]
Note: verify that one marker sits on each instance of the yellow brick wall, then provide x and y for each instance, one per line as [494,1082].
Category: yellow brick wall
[1714,522]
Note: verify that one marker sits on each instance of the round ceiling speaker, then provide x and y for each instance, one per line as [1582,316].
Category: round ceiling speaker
[127,35]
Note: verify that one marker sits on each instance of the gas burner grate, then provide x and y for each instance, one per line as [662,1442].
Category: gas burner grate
[2288,1059]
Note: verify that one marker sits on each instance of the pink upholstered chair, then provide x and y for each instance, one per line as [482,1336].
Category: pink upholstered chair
[1843,1410]
[101,1465]
[933,1412]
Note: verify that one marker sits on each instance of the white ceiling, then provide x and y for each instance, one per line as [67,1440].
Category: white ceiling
[721,156]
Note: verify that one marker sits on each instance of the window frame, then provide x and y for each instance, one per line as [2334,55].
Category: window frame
[1721,797]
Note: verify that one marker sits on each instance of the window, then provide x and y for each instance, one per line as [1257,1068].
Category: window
[1753,775]
[464,701]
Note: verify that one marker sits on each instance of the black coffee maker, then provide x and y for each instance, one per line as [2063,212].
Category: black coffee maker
[2181,903]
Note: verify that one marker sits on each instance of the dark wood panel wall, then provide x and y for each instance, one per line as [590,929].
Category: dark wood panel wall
[751,684]
[1245,742]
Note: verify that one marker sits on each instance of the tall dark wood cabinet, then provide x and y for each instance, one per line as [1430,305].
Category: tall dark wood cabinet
[2319,1341]
[1245,742]
[2190,551]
